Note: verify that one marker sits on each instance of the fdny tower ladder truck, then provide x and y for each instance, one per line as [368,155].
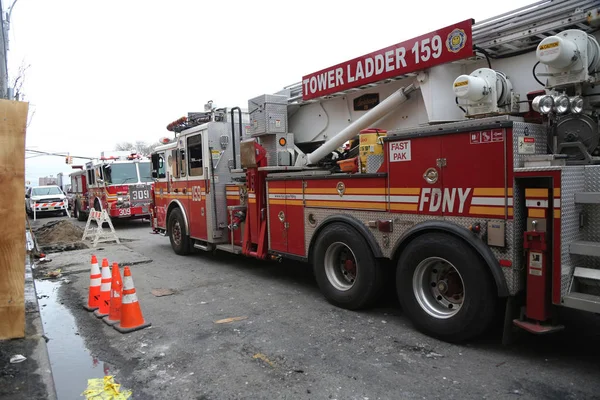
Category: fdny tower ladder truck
[465,163]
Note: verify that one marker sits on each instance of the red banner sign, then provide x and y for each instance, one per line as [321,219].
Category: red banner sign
[444,45]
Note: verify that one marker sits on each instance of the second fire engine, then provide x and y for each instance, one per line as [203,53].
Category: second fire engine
[119,182]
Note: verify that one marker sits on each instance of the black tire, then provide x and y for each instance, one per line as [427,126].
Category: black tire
[345,268]
[180,242]
[64,213]
[81,216]
[428,288]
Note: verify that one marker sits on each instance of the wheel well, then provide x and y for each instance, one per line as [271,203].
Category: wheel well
[464,235]
[353,223]
[172,206]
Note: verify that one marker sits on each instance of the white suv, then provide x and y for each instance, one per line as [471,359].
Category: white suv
[45,199]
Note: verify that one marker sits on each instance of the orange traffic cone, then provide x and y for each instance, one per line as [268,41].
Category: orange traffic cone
[116,287]
[104,305]
[131,313]
[94,290]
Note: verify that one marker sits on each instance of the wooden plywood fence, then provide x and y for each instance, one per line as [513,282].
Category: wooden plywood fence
[13,120]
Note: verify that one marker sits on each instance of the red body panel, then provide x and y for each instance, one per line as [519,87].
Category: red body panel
[433,175]
[277,232]
[286,217]
[196,206]
[409,192]
[294,218]
[353,193]
[474,161]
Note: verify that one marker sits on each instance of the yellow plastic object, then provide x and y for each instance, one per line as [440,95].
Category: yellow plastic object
[105,389]
[371,144]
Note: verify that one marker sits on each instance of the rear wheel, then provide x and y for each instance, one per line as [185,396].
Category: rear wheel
[81,216]
[345,268]
[444,287]
[176,227]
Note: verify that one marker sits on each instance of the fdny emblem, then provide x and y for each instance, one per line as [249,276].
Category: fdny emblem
[456,40]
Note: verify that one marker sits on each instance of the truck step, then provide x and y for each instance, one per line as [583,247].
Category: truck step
[201,245]
[537,328]
[582,301]
[230,249]
[584,248]
[587,273]
[587,198]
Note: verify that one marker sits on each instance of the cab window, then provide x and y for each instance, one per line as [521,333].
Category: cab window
[194,145]
[159,169]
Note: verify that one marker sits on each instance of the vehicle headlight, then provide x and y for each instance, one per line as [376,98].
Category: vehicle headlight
[576,104]
[120,200]
[561,104]
[543,104]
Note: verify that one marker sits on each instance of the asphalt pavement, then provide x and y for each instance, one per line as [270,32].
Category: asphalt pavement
[289,343]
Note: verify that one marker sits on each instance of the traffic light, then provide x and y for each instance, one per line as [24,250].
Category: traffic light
[69,160]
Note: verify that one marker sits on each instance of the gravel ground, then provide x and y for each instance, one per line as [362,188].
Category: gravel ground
[293,344]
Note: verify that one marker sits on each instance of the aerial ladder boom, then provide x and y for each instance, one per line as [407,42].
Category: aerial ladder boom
[381,110]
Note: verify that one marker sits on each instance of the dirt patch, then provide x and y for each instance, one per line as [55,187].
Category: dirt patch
[58,232]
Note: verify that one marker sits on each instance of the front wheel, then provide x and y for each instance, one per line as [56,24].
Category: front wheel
[444,287]
[345,268]
[180,242]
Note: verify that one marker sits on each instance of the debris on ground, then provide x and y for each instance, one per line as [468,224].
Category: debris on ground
[228,320]
[262,357]
[105,388]
[17,358]
[53,274]
[162,292]
[56,232]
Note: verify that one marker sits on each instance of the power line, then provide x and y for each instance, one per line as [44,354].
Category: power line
[62,154]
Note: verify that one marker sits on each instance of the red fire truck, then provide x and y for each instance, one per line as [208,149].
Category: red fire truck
[464,164]
[119,182]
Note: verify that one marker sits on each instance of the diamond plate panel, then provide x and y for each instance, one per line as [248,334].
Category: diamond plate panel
[270,143]
[572,181]
[538,132]
[403,222]
[517,278]
[374,162]
[263,109]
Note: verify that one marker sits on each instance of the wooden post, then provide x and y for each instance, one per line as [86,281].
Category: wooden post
[13,121]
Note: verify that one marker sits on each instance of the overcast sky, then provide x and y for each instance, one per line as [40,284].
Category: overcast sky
[103,72]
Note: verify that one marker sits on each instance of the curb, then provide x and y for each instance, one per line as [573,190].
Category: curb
[40,351]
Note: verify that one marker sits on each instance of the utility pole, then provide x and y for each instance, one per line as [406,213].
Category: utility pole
[3,55]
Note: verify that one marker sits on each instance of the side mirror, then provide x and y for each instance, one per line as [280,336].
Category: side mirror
[154,174]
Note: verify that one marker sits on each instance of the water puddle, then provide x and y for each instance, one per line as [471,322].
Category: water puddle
[72,363]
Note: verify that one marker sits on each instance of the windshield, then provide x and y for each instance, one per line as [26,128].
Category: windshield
[45,191]
[118,174]
[145,171]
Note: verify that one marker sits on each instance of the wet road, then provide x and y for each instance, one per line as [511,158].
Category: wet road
[293,344]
